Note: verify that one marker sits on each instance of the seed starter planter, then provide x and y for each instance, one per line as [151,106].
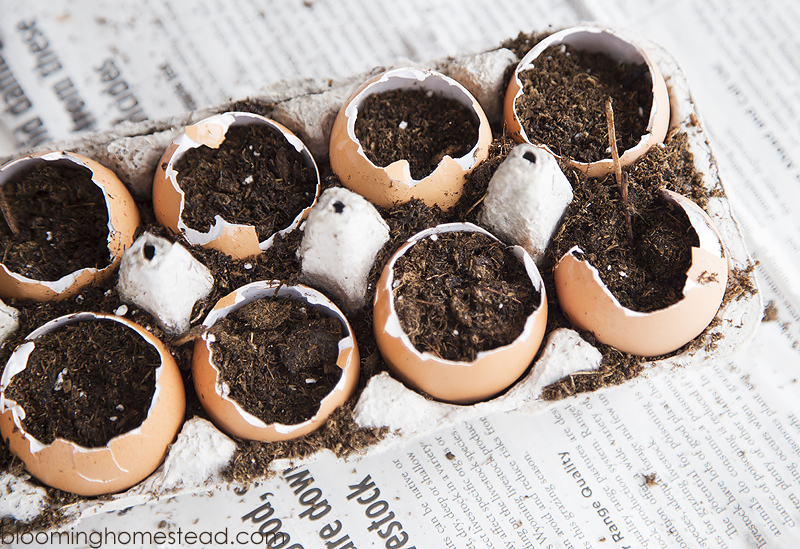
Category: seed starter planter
[238,240]
[123,219]
[589,304]
[214,393]
[458,381]
[394,184]
[617,47]
[127,458]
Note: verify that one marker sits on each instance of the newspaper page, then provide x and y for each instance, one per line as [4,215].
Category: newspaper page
[74,67]
[705,457]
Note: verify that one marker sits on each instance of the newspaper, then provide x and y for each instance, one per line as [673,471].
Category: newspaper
[706,457]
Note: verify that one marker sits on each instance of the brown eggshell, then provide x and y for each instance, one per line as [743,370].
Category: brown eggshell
[452,381]
[237,240]
[123,221]
[227,414]
[595,39]
[128,458]
[590,306]
[393,184]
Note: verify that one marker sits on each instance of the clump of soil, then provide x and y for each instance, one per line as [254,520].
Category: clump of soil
[86,382]
[564,96]
[462,293]
[615,368]
[419,126]
[278,357]
[61,222]
[255,177]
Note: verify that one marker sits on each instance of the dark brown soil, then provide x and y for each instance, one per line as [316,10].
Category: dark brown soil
[645,274]
[460,294]
[255,177]
[86,382]
[563,102]
[278,356]
[61,219]
[419,126]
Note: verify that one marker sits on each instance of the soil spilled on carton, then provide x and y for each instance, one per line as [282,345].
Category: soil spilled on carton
[55,221]
[255,177]
[419,126]
[86,382]
[459,293]
[278,358]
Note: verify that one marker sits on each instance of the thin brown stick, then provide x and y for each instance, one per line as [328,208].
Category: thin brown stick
[10,221]
[622,179]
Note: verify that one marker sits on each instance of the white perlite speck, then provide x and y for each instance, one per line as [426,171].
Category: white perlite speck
[164,279]
[527,197]
[342,236]
[9,321]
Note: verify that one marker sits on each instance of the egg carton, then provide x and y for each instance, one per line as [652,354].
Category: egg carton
[308,108]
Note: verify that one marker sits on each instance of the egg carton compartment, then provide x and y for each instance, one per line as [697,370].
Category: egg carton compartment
[309,108]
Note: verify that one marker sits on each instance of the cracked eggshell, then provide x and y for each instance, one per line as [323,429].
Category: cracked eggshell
[227,414]
[590,305]
[123,218]
[393,184]
[236,240]
[447,380]
[126,459]
[618,47]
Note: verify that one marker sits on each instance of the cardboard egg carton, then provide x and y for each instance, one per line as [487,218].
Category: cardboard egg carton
[308,108]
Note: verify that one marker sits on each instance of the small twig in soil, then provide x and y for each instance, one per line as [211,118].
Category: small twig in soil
[191,335]
[622,179]
[10,221]
[501,294]
[475,205]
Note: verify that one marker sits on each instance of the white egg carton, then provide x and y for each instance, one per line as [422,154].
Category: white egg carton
[308,108]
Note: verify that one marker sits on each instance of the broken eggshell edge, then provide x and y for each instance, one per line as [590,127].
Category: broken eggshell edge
[126,459]
[618,47]
[392,185]
[590,306]
[236,240]
[228,414]
[452,381]
[123,220]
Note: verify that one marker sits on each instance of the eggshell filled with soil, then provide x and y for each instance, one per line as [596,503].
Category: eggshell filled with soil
[238,240]
[590,305]
[127,458]
[456,381]
[122,221]
[617,47]
[228,414]
[393,184]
